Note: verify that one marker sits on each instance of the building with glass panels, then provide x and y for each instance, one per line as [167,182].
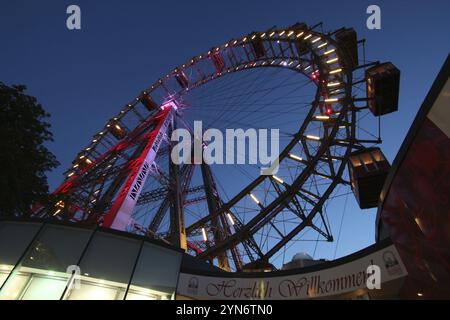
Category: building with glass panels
[50,260]
[42,260]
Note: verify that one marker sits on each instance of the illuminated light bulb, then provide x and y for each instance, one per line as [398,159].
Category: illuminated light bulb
[226,46]
[333,84]
[299,34]
[322,45]
[290,63]
[254,198]
[70,174]
[321,117]
[308,36]
[205,237]
[315,40]
[89,161]
[311,137]
[342,127]
[271,34]
[75,166]
[57,211]
[245,39]
[253,37]
[332,60]
[230,218]
[307,67]
[282,32]
[273,61]
[335,71]
[263,35]
[336,91]
[329,51]
[277,179]
[94,141]
[290,33]
[295,157]
[419,294]
[331,100]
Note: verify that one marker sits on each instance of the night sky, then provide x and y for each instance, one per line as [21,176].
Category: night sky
[84,77]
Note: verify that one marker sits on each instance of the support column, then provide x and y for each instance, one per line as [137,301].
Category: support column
[177,227]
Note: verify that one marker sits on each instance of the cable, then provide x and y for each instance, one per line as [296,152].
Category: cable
[340,227]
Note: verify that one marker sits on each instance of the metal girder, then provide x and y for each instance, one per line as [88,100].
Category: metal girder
[220,231]
[177,228]
[160,193]
[186,173]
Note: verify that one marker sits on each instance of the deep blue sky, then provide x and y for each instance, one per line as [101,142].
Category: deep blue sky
[83,77]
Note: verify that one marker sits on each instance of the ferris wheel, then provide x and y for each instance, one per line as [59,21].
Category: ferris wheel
[304,82]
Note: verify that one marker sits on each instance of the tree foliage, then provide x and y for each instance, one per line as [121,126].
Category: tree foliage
[24,158]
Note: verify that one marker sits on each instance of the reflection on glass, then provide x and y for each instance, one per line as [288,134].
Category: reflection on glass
[141,295]
[14,239]
[44,288]
[106,267]
[156,273]
[98,290]
[56,248]
[15,287]
[45,264]
[4,272]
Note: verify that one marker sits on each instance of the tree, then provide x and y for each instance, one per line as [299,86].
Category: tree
[24,159]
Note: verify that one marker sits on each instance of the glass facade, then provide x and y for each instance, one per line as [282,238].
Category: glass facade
[15,237]
[41,261]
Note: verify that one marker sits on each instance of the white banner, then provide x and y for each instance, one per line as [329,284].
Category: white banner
[326,282]
[123,216]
